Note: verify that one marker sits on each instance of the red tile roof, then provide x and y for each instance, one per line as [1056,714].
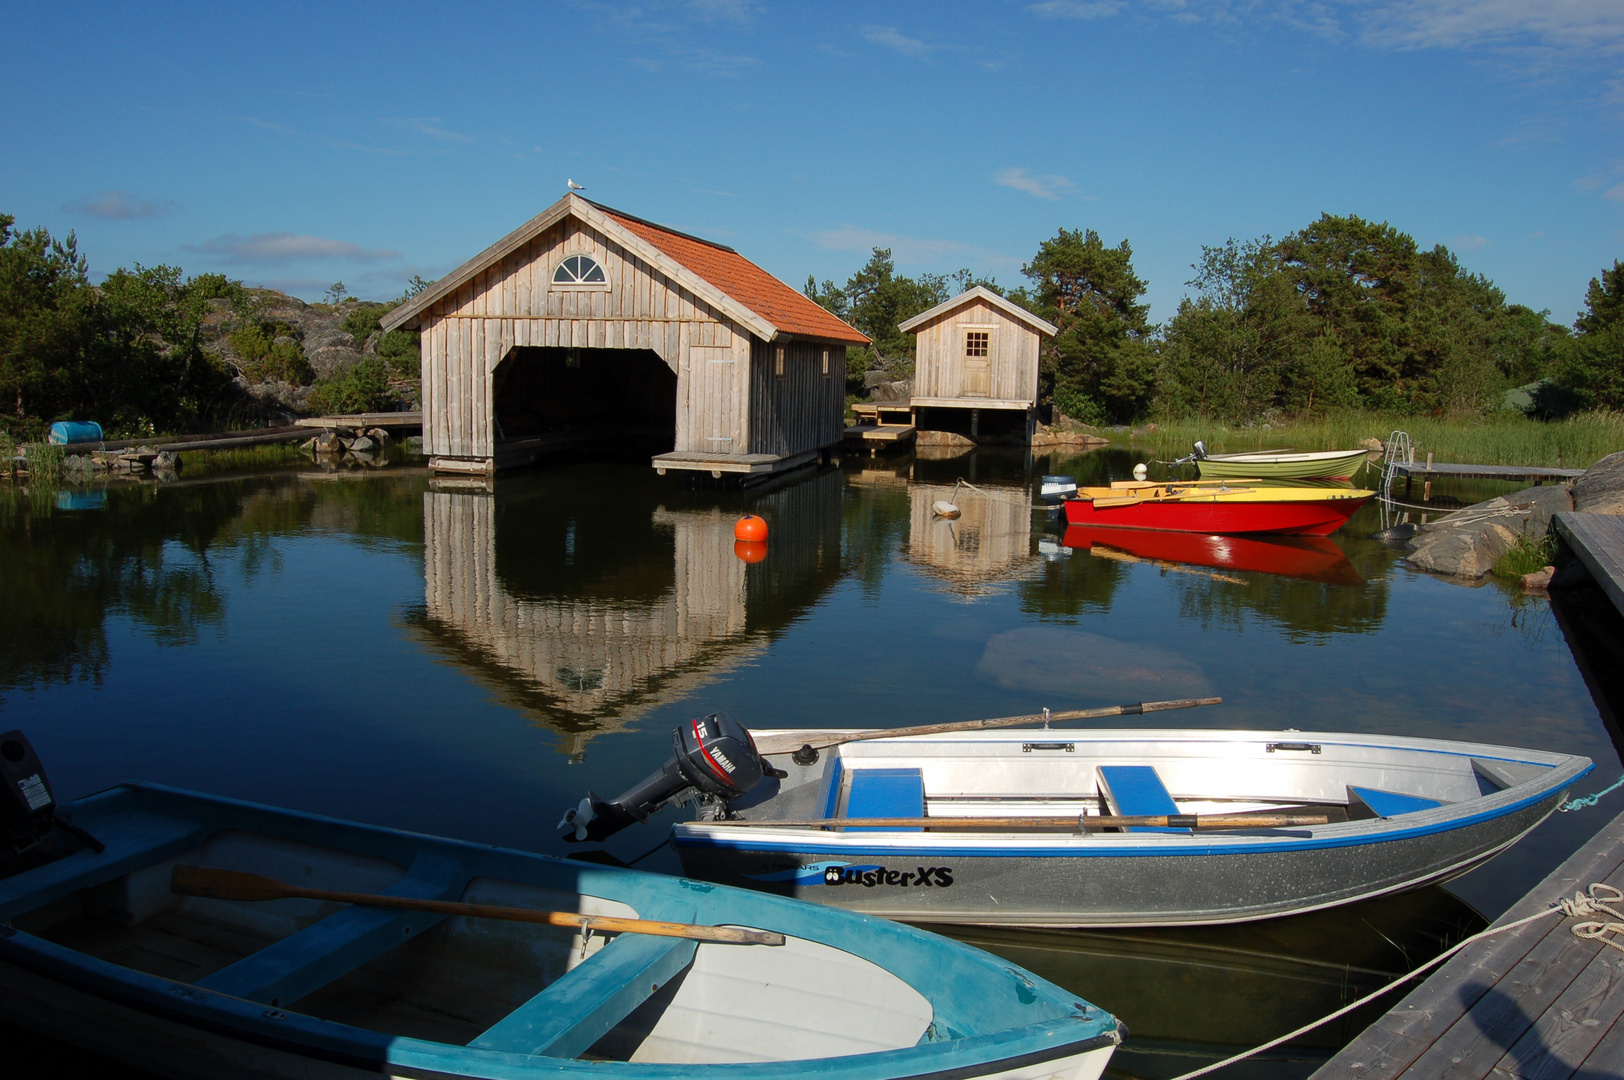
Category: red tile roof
[790,311]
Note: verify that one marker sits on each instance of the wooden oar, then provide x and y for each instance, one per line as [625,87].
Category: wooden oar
[1083,822]
[236,885]
[785,742]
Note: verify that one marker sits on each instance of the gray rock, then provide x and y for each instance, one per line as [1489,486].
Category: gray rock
[1469,542]
[378,435]
[167,461]
[332,359]
[362,445]
[1601,489]
[328,443]
[1539,580]
[900,390]
[414,444]
[78,467]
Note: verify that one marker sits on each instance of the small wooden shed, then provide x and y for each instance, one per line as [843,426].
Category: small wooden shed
[976,366]
[587,323]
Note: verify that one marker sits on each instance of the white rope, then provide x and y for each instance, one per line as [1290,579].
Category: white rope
[1601,896]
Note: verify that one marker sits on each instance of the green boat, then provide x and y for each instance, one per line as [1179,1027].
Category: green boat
[1276,465]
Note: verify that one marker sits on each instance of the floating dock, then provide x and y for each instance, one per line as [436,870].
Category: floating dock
[1536,1001]
[882,425]
[1516,474]
[1597,541]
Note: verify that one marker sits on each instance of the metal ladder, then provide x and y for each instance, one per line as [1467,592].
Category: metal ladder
[1399,450]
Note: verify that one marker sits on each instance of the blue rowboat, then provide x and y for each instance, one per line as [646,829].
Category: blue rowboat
[97,949]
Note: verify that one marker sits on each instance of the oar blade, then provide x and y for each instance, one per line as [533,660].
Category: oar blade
[217,884]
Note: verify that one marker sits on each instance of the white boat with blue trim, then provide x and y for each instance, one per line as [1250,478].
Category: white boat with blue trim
[1011,826]
[108,941]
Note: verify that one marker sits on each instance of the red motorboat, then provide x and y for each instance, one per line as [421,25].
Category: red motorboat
[1312,558]
[1224,506]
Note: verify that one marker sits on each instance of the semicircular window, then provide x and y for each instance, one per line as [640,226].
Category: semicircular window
[579,270]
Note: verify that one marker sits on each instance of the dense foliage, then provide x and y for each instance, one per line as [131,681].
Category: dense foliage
[128,352]
[1343,314]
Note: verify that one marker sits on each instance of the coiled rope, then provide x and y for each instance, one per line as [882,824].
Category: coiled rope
[1597,899]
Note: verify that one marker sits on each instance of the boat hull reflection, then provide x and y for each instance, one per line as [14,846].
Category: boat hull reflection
[1311,558]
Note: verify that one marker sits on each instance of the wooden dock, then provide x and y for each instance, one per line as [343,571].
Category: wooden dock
[882,425]
[1516,474]
[1597,541]
[1532,1002]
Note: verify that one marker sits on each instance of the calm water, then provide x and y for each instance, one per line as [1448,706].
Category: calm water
[465,662]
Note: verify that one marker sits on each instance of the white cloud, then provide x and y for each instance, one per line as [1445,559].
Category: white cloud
[1615,193]
[1047,186]
[1076,9]
[120,205]
[892,38]
[1568,25]
[432,126]
[285,247]
[907,250]
[735,11]
[1470,242]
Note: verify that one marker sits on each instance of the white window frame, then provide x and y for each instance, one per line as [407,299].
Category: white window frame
[575,286]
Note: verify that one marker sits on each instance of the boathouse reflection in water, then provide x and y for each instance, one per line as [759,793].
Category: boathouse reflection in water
[588,613]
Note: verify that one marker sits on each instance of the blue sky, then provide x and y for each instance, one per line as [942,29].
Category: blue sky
[295,145]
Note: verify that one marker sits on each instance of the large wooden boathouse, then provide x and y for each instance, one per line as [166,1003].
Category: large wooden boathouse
[586,323]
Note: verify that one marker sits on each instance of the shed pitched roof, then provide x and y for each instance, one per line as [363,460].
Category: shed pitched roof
[717,274]
[980,292]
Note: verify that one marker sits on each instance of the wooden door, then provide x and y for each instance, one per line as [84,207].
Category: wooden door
[977,363]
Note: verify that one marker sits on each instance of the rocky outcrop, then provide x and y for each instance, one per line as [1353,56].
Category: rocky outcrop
[1066,434]
[1601,489]
[1469,542]
[318,333]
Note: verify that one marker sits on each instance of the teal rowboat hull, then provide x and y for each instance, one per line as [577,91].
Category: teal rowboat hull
[95,949]
[1325,464]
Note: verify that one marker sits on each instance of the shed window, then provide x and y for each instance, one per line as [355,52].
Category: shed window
[826,363]
[579,270]
[976,342]
[778,364]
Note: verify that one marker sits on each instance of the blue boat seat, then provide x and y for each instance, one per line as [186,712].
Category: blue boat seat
[886,793]
[1136,790]
[1390,803]
[301,963]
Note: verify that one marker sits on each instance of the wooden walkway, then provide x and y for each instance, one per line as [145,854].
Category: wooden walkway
[1597,540]
[1535,1002]
[1512,473]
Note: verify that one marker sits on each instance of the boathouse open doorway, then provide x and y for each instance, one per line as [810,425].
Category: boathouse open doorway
[553,399]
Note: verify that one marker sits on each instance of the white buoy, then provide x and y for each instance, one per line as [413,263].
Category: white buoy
[944,509]
[1140,471]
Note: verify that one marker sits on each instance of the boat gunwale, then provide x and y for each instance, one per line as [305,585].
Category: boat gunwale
[1563,770]
[868,938]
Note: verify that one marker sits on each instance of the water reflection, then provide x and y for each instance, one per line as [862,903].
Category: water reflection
[1192,996]
[1311,558]
[592,610]
[988,544]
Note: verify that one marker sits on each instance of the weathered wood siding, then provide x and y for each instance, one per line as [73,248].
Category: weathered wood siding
[802,409]
[1013,356]
[467,334]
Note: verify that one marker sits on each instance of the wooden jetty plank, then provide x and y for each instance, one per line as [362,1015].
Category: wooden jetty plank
[1607,1059]
[1598,542]
[1559,1041]
[1396,1044]
[1531,473]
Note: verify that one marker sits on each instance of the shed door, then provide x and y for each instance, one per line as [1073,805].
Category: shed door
[977,344]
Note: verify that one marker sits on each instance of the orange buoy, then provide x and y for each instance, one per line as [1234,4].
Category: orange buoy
[750,551]
[750,528]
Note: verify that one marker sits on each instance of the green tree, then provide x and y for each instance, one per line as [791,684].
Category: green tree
[1590,371]
[1100,365]
[874,300]
[47,321]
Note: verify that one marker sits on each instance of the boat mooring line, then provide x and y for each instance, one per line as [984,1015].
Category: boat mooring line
[650,851]
[1590,800]
[1595,900]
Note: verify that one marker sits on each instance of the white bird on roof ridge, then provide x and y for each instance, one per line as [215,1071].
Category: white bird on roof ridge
[574,186]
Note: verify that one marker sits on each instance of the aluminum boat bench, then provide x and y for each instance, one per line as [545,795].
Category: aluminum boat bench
[1136,790]
[1387,804]
[877,793]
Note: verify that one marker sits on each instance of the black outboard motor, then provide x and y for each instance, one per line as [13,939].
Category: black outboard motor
[711,755]
[27,805]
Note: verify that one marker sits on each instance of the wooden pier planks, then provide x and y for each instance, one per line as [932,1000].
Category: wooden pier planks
[1597,540]
[1533,1002]
[1514,473]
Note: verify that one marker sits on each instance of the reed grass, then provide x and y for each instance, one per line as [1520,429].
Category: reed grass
[264,456]
[1528,554]
[44,462]
[1501,439]
[8,453]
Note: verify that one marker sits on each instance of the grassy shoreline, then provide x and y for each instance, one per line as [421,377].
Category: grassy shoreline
[1575,443]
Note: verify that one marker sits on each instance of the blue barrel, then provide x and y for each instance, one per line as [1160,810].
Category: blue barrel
[64,432]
